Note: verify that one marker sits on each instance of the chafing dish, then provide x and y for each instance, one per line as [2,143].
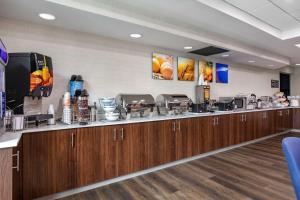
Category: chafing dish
[173,104]
[135,105]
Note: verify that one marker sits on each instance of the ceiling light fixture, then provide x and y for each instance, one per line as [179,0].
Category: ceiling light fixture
[298,64]
[271,65]
[251,61]
[136,35]
[188,47]
[297,45]
[47,16]
[225,55]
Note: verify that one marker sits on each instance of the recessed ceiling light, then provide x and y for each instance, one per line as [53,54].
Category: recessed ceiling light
[251,61]
[225,55]
[136,35]
[47,16]
[298,64]
[188,47]
[271,65]
[297,45]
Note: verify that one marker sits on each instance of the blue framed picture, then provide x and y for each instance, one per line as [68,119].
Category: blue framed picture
[221,73]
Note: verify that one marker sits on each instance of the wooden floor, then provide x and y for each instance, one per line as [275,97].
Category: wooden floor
[257,171]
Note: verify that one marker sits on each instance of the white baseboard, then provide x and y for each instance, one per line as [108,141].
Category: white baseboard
[122,178]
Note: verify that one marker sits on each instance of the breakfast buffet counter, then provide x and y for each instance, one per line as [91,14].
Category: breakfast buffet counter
[11,139]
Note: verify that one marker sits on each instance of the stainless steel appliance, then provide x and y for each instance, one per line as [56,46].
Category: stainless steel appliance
[240,103]
[226,103]
[136,105]
[200,107]
[173,104]
[202,93]
[3,63]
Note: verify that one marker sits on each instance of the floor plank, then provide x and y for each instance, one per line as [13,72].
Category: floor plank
[256,171]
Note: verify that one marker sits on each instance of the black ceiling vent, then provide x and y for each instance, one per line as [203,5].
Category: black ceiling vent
[208,51]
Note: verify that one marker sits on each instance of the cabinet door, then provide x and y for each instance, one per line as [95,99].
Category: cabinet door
[187,138]
[207,134]
[132,148]
[271,122]
[250,123]
[223,131]
[6,185]
[296,118]
[260,121]
[48,163]
[95,154]
[279,121]
[288,118]
[240,128]
[161,142]
[17,173]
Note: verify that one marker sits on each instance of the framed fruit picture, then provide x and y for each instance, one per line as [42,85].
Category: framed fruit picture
[221,73]
[205,72]
[185,69]
[162,66]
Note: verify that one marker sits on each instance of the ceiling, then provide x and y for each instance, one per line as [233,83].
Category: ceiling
[174,24]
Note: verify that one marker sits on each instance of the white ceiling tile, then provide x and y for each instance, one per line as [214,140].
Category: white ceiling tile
[288,5]
[248,6]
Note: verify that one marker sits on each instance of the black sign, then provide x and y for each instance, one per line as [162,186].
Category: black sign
[274,83]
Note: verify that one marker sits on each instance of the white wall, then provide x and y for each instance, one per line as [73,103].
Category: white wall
[295,82]
[111,66]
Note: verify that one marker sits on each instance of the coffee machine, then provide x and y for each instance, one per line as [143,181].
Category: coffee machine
[28,78]
[202,99]
[3,63]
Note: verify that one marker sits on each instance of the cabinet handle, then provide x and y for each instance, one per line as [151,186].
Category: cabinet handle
[122,134]
[179,126]
[174,126]
[214,121]
[73,140]
[18,161]
[217,120]
[287,112]
[115,134]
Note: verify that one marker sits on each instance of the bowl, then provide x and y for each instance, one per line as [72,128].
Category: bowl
[109,108]
[112,116]
[107,101]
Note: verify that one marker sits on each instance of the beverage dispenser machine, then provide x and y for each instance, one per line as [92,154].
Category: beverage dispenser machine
[3,63]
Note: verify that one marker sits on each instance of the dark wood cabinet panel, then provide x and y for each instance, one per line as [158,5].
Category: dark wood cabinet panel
[187,138]
[279,118]
[95,154]
[288,119]
[48,163]
[296,118]
[271,122]
[207,134]
[161,142]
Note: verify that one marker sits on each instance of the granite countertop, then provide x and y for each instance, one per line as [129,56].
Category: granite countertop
[11,139]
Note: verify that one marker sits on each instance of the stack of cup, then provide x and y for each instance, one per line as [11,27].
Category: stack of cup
[67,111]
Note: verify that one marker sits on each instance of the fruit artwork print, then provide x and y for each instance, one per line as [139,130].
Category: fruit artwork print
[205,71]
[186,69]
[162,66]
[41,80]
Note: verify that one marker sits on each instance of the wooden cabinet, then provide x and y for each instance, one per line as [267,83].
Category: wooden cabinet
[95,154]
[6,176]
[288,119]
[187,137]
[296,118]
[60,160]
[48,163]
